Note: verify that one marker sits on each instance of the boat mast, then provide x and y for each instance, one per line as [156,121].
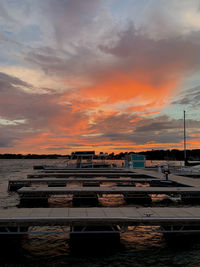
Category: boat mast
[185,159]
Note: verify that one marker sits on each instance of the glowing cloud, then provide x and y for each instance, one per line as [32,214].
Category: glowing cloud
[74,75]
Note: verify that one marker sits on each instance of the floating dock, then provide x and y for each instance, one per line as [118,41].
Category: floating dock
[15,184]
[37,190]
[91,170]
[89,174]
[40,186]
[38,195]
[167,220]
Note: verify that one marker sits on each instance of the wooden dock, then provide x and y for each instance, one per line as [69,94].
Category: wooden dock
[163,219]
[173,220]
[15,184]
[188,181]
[89,174]
[88,170]
[70,180]
[42,190]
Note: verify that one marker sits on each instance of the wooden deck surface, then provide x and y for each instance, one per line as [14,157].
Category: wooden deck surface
[65,216]
[179,179]
[82,170]
[64,180]
[106,190]
[88,174]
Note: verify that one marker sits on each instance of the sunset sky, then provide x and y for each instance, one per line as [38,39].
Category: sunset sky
[103,75]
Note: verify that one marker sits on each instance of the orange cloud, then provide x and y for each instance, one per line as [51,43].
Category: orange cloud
[194,134]
[193,144]
[119,87]
[114,93]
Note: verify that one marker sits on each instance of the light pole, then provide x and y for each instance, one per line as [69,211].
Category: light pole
[185,156]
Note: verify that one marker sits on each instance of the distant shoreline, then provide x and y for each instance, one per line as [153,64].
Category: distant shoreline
[174,154]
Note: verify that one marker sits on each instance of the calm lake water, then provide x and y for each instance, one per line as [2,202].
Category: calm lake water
[54,250]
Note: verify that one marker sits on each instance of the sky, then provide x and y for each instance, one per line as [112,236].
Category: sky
[103,75]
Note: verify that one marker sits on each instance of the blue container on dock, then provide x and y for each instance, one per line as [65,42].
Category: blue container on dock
[138,161]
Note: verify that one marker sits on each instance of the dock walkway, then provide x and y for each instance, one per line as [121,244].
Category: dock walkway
[70,180]
[168,219]
[89,174]
[185,188]
[15,184]
[38,190]
[82,170]
[175,178]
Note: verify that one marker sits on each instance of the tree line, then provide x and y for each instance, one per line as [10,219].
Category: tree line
[173,154]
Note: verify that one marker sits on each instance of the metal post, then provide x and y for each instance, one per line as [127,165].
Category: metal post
[185,156]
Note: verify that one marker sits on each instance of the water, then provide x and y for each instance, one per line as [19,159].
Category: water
[54,250]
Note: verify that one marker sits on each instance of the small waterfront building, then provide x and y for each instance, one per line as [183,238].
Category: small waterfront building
[133,160]
[83,155]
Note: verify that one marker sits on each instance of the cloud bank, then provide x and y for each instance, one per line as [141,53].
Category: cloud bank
[73,76]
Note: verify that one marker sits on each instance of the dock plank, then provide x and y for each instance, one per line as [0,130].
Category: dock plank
[130,212]
[193,212]
[79,212]
[171,212]
[114,212]
[95,212]
[38,212]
